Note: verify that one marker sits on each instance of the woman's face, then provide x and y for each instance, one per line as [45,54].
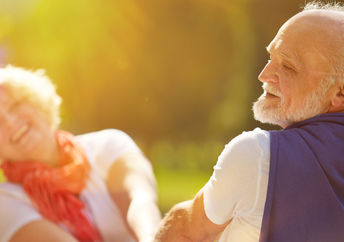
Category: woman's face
[24,132]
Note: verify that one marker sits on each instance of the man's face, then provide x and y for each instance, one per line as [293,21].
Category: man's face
[295,79]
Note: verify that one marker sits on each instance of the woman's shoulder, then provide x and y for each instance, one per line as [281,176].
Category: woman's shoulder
[106,146]
[102,133]
[107,140]
[105,136]
[11,191]
[9,188]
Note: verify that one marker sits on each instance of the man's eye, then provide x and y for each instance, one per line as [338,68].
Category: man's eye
[287,67]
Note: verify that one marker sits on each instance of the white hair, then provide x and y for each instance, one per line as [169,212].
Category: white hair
[317,5]
[34,87]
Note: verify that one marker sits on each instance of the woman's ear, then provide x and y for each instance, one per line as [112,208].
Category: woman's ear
[337,101]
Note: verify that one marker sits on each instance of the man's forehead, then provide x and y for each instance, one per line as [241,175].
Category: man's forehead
[303,43]
[325,21]
[310,29]
[274,44]
[287,51]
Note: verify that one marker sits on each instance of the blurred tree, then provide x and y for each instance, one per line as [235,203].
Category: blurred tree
[173,69]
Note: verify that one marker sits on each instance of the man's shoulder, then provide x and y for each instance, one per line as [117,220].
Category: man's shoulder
[244,161]
[246,149]
[257,133]
[246,139]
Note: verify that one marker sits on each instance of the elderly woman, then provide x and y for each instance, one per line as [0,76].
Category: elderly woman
[92,187]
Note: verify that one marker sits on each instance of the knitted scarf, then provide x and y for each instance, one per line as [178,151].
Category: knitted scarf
[55,190]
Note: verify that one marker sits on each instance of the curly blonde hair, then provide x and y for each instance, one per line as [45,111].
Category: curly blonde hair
[34,87]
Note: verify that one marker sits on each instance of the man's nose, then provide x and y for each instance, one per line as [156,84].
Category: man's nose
[268,74]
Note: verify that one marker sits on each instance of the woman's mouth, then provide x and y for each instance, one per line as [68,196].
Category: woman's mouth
[20,133]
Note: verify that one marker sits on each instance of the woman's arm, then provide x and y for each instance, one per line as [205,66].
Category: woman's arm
[131,184]
[41,231]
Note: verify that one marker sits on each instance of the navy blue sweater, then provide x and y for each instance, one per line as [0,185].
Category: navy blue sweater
[305,198]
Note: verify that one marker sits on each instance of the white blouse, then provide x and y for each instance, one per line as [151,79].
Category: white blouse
[102,149]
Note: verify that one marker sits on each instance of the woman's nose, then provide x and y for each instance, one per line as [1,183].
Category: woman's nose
[6,118]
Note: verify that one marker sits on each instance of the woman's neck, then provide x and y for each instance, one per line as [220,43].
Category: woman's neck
[52,155]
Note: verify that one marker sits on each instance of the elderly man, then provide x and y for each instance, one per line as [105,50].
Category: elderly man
[287,185]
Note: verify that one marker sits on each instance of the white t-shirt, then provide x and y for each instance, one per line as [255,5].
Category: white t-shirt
[102,149]
[237,189]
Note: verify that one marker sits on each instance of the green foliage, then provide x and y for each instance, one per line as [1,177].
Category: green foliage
[2,177]
[185,155]
[182,169]
[178,185]
[172,69]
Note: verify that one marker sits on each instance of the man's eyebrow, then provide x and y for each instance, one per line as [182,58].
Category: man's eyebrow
[293,59]
[268,48]
[287,56]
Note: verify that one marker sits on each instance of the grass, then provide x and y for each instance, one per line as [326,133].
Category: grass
[178,185]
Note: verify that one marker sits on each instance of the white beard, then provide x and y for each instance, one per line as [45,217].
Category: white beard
[312,105]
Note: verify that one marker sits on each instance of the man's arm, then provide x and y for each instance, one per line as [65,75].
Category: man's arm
[131,184]
[187,221]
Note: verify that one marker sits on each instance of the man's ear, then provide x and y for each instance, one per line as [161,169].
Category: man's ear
[337,102]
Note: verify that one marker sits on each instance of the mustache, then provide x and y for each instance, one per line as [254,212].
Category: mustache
[271,89]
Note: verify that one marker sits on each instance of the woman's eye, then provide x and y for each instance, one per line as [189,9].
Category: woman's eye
[14,105]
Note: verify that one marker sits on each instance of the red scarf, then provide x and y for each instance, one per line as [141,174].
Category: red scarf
[55,190]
